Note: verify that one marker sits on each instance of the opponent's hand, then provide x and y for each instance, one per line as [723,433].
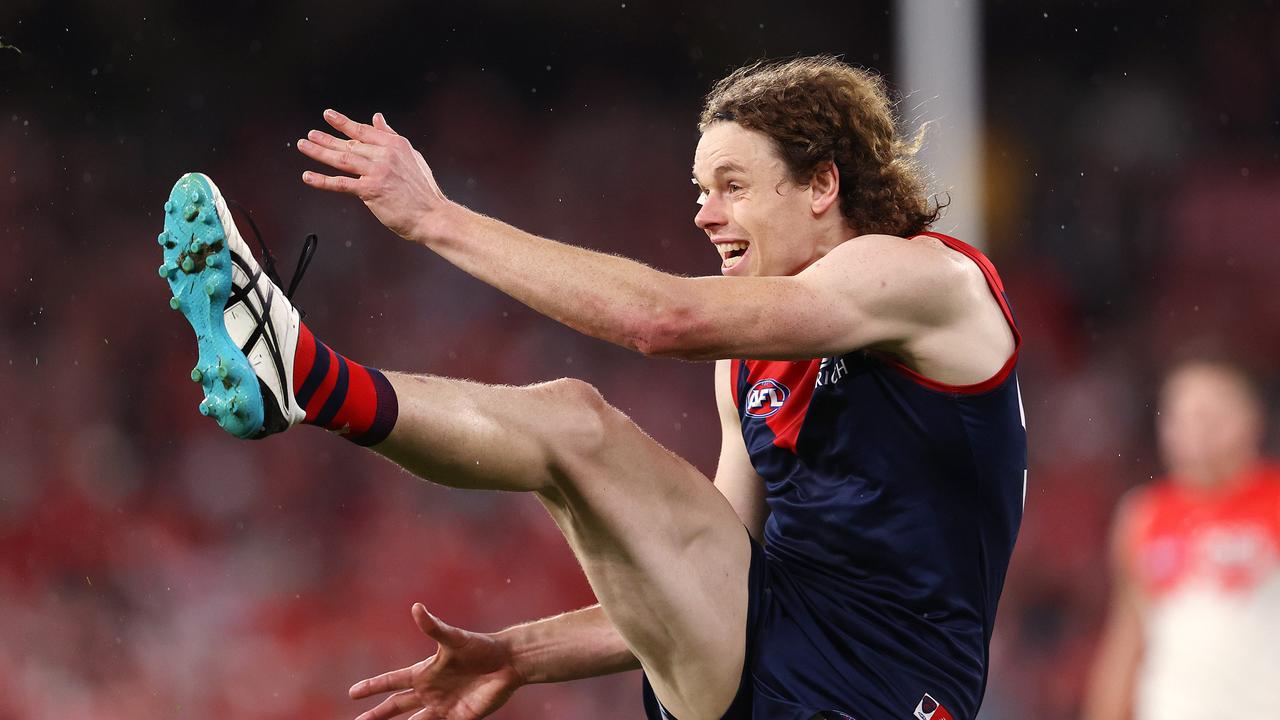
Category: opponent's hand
[392,178]
[470,676]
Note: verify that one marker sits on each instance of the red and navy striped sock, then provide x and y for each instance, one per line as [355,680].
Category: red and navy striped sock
[337,394]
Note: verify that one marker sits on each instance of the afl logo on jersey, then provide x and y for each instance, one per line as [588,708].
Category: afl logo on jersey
[930,709]
[765,398]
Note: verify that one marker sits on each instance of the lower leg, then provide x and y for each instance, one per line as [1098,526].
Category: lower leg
[468,435]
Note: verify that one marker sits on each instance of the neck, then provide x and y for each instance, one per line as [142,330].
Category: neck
[1219,472]
[837,234]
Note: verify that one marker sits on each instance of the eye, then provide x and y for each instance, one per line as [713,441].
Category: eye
[735,188]
[702,192]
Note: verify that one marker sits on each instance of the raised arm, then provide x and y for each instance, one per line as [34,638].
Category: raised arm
[879,290]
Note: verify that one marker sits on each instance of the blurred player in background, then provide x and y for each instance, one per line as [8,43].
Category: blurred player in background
[1194,627]
[873,447]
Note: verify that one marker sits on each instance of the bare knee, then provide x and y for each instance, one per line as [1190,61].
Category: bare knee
[579,424]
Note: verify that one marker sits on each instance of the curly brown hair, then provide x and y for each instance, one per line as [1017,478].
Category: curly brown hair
[819,110]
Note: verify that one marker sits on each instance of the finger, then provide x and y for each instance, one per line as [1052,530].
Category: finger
[437,629]
[344,160]
[423,714]
[380,122]
[352,129]
[392,706]
[333,184]
[401,679]
[324,139]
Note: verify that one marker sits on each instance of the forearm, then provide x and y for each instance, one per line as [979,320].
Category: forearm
[605,296]
[571,646]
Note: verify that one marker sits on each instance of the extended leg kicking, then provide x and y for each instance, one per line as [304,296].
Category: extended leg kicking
[663,550]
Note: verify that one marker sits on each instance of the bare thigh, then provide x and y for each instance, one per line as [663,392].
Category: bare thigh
[663,550]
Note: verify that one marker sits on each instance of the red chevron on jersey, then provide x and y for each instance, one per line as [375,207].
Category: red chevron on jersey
[778,394]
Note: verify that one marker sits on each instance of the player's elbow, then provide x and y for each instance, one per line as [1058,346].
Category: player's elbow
[675,331]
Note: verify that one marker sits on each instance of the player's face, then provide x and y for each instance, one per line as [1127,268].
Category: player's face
[760,222]
[1208,424]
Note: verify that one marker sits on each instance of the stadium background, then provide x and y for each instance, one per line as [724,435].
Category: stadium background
[152,567]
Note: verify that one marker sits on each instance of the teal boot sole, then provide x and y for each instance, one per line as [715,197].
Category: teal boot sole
[197,265]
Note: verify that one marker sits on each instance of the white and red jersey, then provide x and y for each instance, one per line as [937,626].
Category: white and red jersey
[1207,562]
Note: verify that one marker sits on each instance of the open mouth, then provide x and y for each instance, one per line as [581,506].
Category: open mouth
[731,252]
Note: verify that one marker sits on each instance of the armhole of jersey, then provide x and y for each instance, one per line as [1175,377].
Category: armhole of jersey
[735,366]
[1135,514]
[997,291]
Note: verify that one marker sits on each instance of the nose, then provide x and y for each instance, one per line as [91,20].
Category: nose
[713,214]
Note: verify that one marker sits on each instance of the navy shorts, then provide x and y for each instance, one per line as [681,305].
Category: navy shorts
[787,670]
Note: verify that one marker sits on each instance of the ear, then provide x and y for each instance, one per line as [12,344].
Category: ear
[825,188]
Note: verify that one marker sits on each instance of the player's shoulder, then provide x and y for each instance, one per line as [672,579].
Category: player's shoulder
[1140,504]
[1265,488]
[920,258]
[1136,513]
[1269,472]
[926,246]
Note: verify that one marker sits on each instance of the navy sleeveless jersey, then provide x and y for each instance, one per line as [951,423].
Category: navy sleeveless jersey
[895,501]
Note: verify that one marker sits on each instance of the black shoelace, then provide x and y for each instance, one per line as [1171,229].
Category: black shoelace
[269,260]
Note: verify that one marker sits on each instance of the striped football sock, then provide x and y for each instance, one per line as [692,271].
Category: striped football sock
[342,396]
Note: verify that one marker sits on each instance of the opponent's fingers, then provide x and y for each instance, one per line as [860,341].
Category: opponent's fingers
[345,160]
[333,184]
[353,129]
[436,629]
[392,706]
[401,679]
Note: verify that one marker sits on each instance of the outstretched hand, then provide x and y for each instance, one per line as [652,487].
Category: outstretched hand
[470,676]
[392,178]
